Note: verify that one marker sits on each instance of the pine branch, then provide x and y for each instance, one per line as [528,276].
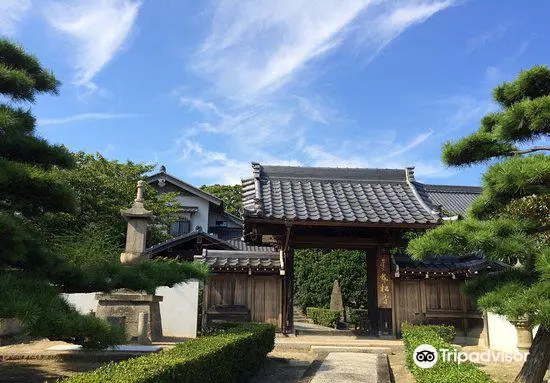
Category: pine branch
[530,150]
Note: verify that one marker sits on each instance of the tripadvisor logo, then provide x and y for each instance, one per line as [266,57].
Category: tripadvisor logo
[425,356]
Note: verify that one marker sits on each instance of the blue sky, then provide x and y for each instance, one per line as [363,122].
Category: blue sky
[206,87]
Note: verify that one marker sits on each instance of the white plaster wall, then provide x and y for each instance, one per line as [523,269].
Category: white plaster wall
[503,335]
[179,309]
[200,218]
[83,302]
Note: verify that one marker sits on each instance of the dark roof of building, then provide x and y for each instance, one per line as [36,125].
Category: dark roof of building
[236,244]
[241,245]
[162,176]
[189,209]
[403,265]
[381,196]
[452,199]
[232,260]
[181,239]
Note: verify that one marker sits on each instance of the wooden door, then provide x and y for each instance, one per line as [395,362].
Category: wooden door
[408,306]
[266,299]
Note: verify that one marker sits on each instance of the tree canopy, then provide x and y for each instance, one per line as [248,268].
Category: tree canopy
[510,220]
[315,271]
[231,195]
[60,226]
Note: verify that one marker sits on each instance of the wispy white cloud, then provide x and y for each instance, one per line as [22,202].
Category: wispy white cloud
[98,29]
[321,156]
[419,139]
[256,46]
[488,36]
[466,109]
[11,13]
[394,19]
[84,117]
[259,56]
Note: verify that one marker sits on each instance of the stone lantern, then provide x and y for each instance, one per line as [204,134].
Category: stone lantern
[136,235]
[138,312]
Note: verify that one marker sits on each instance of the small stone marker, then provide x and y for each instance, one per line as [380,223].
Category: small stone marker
[143,329]
[336,302]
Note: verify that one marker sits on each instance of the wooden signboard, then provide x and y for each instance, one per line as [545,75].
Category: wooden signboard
[383,281]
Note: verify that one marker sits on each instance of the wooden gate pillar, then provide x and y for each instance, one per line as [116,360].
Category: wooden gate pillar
[288,287]
[384,291]
[379,291]
[372,297]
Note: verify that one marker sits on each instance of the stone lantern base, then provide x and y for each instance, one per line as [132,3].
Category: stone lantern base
[125,307]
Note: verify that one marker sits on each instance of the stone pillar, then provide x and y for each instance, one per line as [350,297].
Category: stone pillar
[124,307]
[131,308]
[136,234]
[143,329]
[525,334]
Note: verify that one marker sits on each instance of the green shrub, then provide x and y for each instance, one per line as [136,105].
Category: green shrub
[316,270]
[231,356]
[443,372]
[359,318]
[323,317]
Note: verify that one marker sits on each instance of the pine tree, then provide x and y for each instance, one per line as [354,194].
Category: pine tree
[33,272]
[510,221]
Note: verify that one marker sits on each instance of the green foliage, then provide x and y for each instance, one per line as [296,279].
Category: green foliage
[440,337]
[510,220]
[232,356]
[498,239]
[231,195]
[323,317]
[60,224]
[45,313]
[359,318]
[104,187]
[510,180]
[316,270]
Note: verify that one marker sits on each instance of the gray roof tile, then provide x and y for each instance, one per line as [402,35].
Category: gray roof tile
[227,259]
[453,199]
[334,194]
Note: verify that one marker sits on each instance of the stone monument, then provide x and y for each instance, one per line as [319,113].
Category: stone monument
[336,302]
[138,312]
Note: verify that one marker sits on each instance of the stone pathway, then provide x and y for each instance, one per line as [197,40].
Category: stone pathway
[350,367]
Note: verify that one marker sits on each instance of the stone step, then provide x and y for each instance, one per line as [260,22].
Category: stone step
[355,349]
[327,346]
[353,367]
[323,332]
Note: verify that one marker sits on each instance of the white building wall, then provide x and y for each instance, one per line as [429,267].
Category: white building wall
[178,309]
[503,335]
[84,303]
[200,218]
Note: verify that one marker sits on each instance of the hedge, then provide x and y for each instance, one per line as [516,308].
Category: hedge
[359,318]
[440,337]
[230,356]
[323,317]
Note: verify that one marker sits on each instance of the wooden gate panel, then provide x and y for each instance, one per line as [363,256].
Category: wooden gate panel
[408,306]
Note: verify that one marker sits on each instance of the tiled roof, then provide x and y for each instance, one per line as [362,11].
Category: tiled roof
[404,265]
[227,259]
[176,241]
[189,209]
[381,196]
[452,199]
[239,244]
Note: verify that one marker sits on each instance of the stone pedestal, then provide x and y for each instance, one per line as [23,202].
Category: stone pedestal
[525,335]
[125,307]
